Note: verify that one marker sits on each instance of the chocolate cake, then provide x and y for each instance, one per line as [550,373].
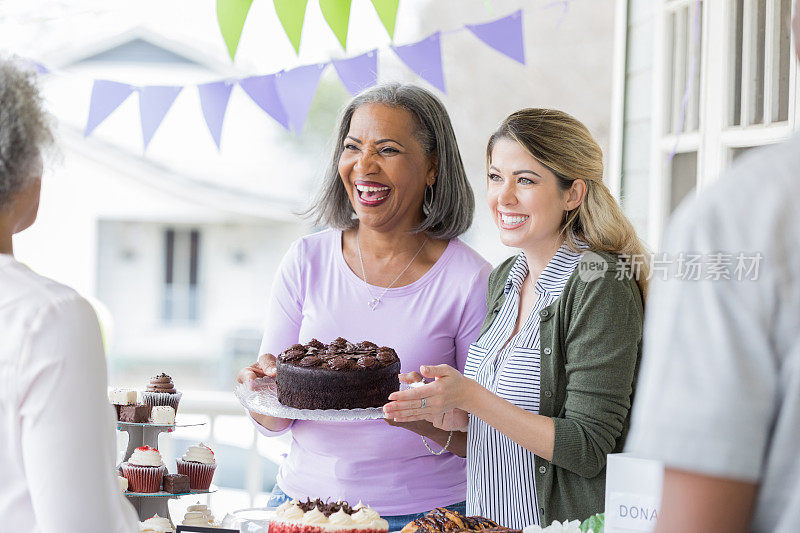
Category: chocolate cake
[137,413]
[176,484]
[339,375]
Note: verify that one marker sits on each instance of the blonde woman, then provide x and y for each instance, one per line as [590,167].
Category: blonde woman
[547,387]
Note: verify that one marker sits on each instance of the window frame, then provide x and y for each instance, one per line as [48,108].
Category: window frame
[714,139]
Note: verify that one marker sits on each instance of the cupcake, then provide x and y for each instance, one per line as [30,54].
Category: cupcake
[161,391]
[157,524]
[199,515]
[144,470]
[199,464]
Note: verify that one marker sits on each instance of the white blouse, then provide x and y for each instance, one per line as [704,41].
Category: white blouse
[499,470]
[57,441]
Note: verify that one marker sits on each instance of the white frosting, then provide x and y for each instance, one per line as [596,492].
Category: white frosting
[122,396]
[340,518]
[556,527]
[282,507]
[293,512]
[162,414]
[123,483]
[358,506]
[199,454]
[150,457]
[198,515]
[158,524]
[365,516]
[380,523]
[315,516]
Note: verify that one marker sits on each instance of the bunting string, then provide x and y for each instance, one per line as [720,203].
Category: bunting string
[286,95]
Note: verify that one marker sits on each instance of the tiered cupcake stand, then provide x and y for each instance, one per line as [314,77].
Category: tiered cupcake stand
[148,504]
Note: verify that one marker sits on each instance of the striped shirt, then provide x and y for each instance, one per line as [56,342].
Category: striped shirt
[500,472]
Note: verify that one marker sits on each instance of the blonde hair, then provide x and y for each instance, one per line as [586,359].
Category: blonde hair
[564,145]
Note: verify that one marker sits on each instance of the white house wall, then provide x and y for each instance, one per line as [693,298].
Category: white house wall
[635,188]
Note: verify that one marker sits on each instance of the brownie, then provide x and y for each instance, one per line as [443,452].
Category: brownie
[339,375]
[176,483]
[134,413]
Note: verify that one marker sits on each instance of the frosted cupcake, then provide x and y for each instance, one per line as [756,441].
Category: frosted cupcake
[144,470]
[199,464]
[199,515]
[157,524]
[161,391]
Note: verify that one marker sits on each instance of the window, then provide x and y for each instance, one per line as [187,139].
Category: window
[181,265]
[684,43]
[683,177]
[760,55]
[724,81]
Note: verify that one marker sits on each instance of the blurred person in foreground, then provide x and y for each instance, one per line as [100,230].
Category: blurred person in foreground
[719,398]
[56,425]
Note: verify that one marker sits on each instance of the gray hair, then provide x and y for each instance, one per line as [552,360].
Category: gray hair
[453,204]
[25,127]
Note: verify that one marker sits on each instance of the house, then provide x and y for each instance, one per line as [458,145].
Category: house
[177,247]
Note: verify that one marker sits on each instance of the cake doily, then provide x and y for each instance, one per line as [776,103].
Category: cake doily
[261,396]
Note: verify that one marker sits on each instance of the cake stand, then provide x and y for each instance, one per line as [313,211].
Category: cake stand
[148,504]
[144,434]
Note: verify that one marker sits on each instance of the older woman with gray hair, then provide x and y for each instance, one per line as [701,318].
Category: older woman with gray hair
[391,270]
[56,425]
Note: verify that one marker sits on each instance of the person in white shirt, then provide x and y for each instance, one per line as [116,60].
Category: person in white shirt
[719,394]
[57,443]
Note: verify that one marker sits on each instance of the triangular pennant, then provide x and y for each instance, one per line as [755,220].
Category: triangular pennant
[291,13]
[231,15]
[337,15]
[504,35]
[387,11]
[263,92]
[424,58]
[358,73]
[214,102]
[106,97]
[296,89]
[154,102]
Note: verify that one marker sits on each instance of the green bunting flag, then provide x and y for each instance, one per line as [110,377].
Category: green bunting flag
[387,11]
[337,14]
[291,14]
[231,15]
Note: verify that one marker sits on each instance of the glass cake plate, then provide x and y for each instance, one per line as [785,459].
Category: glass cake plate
[261,396]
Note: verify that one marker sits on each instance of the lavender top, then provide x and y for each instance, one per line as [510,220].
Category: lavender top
[431,321]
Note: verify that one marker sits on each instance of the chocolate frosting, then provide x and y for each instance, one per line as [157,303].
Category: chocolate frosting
[161,383]
[339,355]
[326,508]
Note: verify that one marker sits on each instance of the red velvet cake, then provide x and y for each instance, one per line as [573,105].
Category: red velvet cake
[320,517]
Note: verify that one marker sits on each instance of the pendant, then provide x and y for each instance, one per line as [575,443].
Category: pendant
[373,303]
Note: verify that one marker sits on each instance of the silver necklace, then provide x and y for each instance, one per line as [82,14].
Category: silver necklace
[375,301]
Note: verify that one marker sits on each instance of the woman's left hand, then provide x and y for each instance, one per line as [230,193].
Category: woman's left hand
[450,390]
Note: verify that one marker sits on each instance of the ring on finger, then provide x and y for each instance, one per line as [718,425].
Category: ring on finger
[423,403]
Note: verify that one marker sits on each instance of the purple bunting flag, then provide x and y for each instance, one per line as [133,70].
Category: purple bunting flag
[214,102]
[261,89]
[106,97]
[504,35]
[358,73]
[425,59]
[154,102]
[296,89]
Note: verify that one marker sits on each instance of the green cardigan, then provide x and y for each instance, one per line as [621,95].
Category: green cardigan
[591,344]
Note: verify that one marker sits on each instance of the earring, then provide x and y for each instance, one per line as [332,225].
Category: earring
[428,204]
